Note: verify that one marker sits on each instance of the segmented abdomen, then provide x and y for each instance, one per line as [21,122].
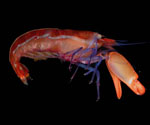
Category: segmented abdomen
[47,43]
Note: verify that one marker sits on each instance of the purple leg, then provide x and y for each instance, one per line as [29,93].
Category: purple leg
[78,51]
[95,71]
[73,53]
[94,50]
[98,85]
[74,73]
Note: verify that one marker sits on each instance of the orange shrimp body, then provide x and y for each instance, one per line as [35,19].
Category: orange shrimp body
[81,48]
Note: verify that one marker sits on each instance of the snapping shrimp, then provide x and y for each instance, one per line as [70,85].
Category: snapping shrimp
[81,48]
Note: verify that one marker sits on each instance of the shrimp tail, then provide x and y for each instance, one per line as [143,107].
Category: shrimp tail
[21,71]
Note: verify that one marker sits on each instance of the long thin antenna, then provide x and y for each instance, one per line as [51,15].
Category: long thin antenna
[126,43]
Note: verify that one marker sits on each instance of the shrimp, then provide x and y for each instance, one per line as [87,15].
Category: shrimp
[81,48]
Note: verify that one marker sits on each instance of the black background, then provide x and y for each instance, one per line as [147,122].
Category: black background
[51,87]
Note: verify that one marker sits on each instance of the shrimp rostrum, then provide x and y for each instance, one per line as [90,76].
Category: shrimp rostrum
[81,48]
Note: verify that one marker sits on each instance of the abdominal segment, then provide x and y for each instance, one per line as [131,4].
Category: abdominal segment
[40,55]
